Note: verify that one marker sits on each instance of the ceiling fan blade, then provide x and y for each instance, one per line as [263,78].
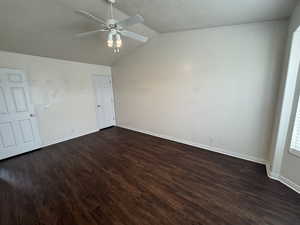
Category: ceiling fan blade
[91,16]
[90,33]
[131,21]
[134,36]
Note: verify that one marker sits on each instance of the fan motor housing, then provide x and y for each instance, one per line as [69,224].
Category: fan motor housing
[111,23]
[112,1]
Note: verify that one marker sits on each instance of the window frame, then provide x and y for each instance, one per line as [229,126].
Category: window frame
[295,105]
[295,152]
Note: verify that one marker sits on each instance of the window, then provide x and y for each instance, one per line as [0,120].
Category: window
[295,144]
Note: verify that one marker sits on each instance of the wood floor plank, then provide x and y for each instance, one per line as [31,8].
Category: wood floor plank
[121,177]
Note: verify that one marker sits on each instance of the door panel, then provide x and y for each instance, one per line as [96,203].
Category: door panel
[19,98]
[26,130]
[105,101]
[18,127]
[8,137]
[15,77]
[3,103]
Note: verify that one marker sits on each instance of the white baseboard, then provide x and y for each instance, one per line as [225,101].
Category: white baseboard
[275,176]
[270,174]
[290,184]
[76,135]
[206,147]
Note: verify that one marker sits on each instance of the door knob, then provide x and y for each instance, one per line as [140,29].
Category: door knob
[98,106]
[31,115]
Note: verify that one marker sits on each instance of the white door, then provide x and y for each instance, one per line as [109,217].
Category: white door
[18,125]
[104,101]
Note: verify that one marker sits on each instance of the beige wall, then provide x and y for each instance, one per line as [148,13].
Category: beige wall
[62,94]
[214,88]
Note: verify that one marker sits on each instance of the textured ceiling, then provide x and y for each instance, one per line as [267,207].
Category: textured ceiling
[47,28]
[177,15]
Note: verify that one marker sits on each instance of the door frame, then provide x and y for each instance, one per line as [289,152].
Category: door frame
[96,100]
[31,107]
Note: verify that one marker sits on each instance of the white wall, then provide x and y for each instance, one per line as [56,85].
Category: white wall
[214,88]
[62,94]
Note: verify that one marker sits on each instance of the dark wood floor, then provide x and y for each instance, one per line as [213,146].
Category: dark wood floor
[126,178]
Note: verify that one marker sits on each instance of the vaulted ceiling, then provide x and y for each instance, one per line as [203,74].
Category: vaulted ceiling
[177,15]
[47,27]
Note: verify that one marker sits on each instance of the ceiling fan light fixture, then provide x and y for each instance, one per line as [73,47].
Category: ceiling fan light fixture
[110,40]
[116,29]
[119,42]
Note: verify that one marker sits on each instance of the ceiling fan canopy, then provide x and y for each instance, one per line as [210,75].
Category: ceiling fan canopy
[116,29]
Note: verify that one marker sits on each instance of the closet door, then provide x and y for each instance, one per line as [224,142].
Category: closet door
[104,101]
[18,126]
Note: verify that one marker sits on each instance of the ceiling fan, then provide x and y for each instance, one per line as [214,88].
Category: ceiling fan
[114,28]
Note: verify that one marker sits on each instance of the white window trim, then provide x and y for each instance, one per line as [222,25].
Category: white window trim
[281,139]
[295,100]
[295,152]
